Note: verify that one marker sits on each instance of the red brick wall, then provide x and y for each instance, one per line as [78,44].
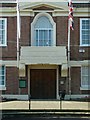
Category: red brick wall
[75,43]
[61,30]
[24,90]
[11,80]
[9,52]
[75,80]
[25,31]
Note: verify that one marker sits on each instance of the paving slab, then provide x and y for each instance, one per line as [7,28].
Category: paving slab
[44,105]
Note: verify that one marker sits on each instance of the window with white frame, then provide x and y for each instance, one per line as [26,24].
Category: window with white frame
[3,31]
[85,77]
[2,77]
[85,31]
[43,30]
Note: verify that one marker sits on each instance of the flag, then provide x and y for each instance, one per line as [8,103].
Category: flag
[18,19]
[69,2]
[70,17]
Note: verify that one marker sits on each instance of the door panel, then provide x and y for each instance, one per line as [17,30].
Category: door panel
[43,83]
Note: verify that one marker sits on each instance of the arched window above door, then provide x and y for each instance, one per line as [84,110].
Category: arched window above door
[43,30]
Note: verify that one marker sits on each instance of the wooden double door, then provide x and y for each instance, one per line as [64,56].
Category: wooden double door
[43,83]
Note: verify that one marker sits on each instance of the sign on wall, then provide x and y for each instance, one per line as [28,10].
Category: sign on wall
[22,83]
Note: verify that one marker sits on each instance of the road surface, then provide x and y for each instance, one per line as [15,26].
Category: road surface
[42,118]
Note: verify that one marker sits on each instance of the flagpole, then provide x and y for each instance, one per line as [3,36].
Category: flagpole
[17,38]
[69,71]
[70,26]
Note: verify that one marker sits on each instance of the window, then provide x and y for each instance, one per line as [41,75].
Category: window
[2,77]
[3,31]
[85,32]
[85,77]
[43,30]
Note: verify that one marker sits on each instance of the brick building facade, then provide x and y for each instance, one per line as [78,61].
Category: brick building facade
[43,64]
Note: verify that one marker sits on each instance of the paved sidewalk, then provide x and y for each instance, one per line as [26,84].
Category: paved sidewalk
[44,105]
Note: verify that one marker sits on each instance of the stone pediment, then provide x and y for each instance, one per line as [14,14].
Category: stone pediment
[44,6]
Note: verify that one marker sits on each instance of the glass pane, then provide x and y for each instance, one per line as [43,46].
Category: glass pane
[87,32]
[0,26]
[36,34]
[41,37]
[83,21]
[0,32]
[89,42]
[3,24]
[0,39]
[40,34]
[46,42]
[2,83]
[88,23]
[86,37]
[89,81]
[0,22]
[36,42]
[87,26]
[85,80]
[49,42]
[43,22]
[0,72]
[3,78]
[85,70]
[45,34]
[50,37]
[3,72]
[3,68]
[83,37]
[3,37]
[83,26]
[40,43]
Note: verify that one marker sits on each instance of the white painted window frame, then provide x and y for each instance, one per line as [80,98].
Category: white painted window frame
[3,87]
[52,22]
[84,87]
[48,29]
[81,44]
[5,44]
